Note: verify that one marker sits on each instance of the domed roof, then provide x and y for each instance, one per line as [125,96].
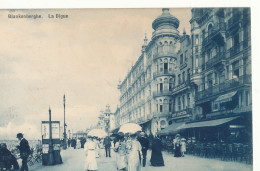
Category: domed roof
[165,19]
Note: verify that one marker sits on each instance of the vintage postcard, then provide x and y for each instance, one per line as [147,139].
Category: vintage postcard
[126,89]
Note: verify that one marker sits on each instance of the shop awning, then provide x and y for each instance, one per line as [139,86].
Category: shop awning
[210,123]
[226,97]
[171,129]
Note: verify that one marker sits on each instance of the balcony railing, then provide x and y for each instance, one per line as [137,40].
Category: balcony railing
[217,28]
[235,49]
[215,60]
[233,22]
[162,73]
[162,93]
[163,54]
[227,85]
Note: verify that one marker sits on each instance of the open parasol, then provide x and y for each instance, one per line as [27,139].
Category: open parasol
[130,128]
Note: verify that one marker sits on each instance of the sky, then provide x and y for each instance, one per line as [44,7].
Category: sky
[83,56]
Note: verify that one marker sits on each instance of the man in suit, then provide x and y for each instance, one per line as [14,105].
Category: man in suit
[25,151]
[145,145]
[107,144]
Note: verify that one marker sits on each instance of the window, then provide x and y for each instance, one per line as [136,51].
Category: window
[170,107]
[188,74]
[236,40]
[170,87]
[183,102]
[186,55]
[165,68]
[161,86]
[183,76]
[179,103]
[181,59]
[197,61]
[203,34]
[247,98]
[188,100]
[161,108]
[196,39]
[179,79]
[210,29]
[210,81]
[196,49]
[235,68]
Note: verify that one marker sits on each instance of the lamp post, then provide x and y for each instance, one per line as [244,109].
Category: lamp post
[65,135]
[50,152]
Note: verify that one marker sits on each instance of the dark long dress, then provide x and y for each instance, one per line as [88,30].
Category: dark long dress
[157,158]
[177,152]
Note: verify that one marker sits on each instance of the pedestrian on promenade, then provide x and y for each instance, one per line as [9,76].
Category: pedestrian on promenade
[120,150]
[107,144]
[145,145]
[7,158]
[78,144]
[134,149]
[25,151]
[73,143]
[177,146]
[183,146]
[156,157]
[90,152]
[82,142]
[69,142]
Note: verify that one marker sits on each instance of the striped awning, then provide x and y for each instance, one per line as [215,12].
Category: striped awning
[226,97]
[210,123]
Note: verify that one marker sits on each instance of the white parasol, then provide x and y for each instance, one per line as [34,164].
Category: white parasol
[97,133]
[130,128]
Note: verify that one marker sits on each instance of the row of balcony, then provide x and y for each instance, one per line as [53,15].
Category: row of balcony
[230,84]
[214,61]
[162,93]
[164,72]
[216,30]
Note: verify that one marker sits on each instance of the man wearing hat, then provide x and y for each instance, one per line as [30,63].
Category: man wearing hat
[24,149]
[145,145]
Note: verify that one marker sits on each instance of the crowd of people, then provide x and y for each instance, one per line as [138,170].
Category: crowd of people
[130,151]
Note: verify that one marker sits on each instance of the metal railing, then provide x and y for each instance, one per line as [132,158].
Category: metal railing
[227,85]
[162,93]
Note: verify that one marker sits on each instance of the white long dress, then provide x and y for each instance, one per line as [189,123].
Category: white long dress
[91,163]
[121,159]
[133,156]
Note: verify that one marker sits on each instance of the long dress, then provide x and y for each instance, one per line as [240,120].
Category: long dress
[157,158]
[135,149]
[121,159]
[90,162]
[177,152]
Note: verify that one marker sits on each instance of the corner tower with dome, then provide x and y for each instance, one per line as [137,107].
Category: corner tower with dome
[146,92]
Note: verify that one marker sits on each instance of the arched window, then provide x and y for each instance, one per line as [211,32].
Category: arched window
[210,29]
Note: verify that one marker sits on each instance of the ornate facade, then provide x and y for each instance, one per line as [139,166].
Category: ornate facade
[182,78]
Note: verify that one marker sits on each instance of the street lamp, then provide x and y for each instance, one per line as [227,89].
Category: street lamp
[50,152]
[65,136]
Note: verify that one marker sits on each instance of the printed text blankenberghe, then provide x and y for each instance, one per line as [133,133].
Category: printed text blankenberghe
[33,16]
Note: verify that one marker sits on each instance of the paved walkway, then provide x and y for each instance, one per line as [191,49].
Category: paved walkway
[73,160]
